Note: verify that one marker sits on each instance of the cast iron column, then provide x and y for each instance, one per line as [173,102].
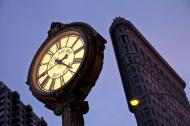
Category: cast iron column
[73,112]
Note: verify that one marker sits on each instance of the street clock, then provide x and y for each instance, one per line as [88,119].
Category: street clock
[67,64]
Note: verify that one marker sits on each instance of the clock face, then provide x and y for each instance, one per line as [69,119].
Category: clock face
[60,62]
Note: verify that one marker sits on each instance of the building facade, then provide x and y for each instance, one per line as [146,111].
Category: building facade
[146,76]
[13,112]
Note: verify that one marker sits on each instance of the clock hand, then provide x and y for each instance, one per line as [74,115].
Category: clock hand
[44,73]
[51,67]
[65,57]
[66,65]
[59,61]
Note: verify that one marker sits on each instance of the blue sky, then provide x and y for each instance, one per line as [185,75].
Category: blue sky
[24,25]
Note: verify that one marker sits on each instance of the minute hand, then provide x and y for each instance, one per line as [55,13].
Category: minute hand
[66,65]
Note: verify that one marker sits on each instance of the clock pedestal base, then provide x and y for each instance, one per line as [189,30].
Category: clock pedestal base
[73,113]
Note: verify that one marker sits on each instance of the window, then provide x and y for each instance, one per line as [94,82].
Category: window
[124,39]
[130,59]
[2,113]
[148,59]
[131,81]
[152,111]
[156,122]
[150,123]
[2,95]
[126,49]
[142,53]
[136,78]
[146,111]
[2,107]
[155,66]
[120,30]
[138,69]
[135,46]
[132,69]
[145,89]
[142,80]
[143,100]
[158,112]
[129,72]
[148,99]
[139,89]
[2,101]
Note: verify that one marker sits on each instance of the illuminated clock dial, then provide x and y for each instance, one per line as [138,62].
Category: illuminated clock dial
[60,62]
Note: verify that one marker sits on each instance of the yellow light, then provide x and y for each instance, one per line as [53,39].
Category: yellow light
[134,102]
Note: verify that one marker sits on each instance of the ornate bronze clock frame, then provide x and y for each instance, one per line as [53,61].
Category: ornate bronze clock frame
[65,68]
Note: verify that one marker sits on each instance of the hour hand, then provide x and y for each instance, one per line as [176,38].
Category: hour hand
[60,62]
[65,57]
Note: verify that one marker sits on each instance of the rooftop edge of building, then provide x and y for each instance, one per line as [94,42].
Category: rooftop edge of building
[120,20]
[15,94]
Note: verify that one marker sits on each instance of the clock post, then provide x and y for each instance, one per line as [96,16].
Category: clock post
[65,68]
[73,112]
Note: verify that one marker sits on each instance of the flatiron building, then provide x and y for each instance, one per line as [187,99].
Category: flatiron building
[149,79]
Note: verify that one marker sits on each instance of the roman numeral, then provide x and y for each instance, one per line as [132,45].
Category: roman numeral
[77,60]
[41,75]
[52,85]
[62,81]
[58,45]
[41,64]
[43,84]
[50,53]
[75,42]
[72,72]
[79,49]
[67,42]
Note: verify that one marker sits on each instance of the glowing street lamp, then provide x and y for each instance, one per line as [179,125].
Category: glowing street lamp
[134,102]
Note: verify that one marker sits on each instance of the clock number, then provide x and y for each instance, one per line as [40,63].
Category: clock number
[62,81]
[58,44]
[67,42]
[50,53]
[41,75]
[79,49]
[77,60]
[43,84]
[72,72]
[52,85]
[41,64]
[75,42]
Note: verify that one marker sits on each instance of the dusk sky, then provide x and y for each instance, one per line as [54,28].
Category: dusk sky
[24,25]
